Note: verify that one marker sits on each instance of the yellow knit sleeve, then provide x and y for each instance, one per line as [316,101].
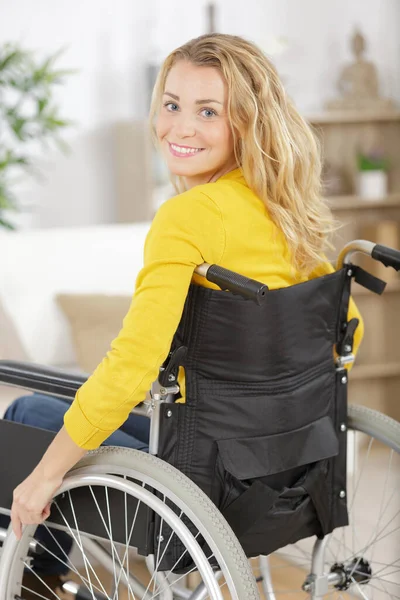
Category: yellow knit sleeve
[186,231]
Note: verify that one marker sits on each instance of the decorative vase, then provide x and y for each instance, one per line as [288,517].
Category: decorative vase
[372,185]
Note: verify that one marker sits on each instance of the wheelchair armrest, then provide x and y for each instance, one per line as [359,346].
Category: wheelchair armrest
[38,378]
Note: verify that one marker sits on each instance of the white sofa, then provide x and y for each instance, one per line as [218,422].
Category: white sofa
[37,265]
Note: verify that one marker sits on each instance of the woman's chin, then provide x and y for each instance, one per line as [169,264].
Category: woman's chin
[185,170]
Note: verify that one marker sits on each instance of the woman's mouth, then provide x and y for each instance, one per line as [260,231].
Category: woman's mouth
[183,151]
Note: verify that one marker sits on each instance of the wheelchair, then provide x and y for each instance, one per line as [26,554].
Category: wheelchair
[260,485]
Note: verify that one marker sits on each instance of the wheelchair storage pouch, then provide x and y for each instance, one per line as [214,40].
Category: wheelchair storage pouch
[274,490]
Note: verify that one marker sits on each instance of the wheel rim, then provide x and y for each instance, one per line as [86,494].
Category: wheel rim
[158,586]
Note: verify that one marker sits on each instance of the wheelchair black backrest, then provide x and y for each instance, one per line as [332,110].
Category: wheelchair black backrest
[260,431]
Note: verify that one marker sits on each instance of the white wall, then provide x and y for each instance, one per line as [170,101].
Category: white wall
[110,42]
[106,42]
[318,34]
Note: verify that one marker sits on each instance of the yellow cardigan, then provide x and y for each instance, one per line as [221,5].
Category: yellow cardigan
[223,223]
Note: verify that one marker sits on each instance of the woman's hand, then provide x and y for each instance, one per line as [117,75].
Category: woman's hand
[32,500]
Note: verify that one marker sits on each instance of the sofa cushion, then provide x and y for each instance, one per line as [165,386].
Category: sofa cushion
[95,320]
[37,265]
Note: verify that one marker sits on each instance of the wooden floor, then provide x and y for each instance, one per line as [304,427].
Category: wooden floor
[292,580]
[288,578]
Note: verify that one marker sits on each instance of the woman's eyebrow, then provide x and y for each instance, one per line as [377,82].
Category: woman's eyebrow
[203,101]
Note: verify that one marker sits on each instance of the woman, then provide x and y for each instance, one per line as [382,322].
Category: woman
[247,169]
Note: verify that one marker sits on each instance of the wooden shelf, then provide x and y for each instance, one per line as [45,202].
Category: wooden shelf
[340,116]
[356,203]
[375,380]
[374,371]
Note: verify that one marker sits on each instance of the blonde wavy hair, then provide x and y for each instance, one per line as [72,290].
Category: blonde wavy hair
[274,146]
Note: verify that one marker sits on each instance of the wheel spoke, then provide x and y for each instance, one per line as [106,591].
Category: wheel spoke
[27,565]
[128,539]
[78,542]
[387,567]
[157,561]
[69,566]
[163,554]
[113,548]
[126,554]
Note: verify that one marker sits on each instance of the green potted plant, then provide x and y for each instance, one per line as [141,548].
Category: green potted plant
[28,117]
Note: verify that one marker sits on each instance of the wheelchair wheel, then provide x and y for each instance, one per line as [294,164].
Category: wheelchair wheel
[361,560]
[113,479]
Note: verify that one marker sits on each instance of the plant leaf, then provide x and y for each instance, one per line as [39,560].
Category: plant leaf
[6,224]
[17,126]
[29,80]
[42,103]
[12,57]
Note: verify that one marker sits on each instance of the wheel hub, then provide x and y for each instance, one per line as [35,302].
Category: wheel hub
[357,570]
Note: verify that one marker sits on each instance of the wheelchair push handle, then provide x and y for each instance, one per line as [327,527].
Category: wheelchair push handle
[390,257]
[233,282]
[387,256]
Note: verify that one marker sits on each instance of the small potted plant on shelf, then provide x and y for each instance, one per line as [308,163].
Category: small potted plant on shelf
[372,175]
[29,119]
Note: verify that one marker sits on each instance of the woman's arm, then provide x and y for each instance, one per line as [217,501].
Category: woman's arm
[186,231]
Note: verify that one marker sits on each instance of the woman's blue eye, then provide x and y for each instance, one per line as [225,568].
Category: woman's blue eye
[171,106]
[211,113]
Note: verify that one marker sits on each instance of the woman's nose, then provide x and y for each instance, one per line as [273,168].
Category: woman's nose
[184,127]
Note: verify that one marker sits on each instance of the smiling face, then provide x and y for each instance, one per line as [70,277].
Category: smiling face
[192,126]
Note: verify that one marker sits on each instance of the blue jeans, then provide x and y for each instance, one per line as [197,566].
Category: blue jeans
[48,412]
